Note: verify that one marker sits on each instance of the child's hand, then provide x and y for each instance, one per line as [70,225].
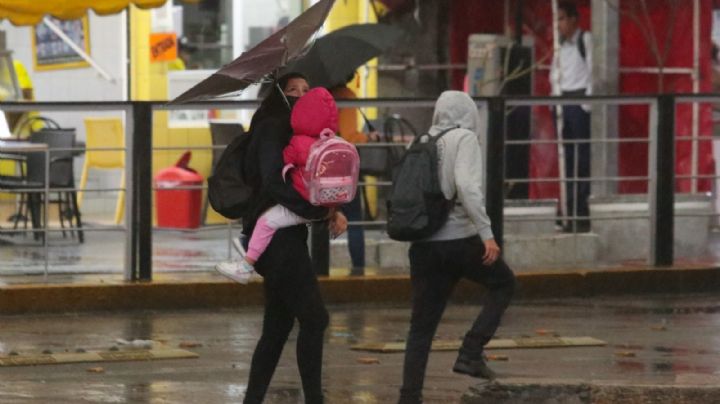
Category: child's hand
[338,224]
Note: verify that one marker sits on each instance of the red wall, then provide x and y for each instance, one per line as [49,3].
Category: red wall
[487,16]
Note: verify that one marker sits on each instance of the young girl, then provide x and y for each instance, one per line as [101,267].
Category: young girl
[313,114]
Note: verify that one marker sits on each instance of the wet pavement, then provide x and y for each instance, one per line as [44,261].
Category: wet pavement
[669,340]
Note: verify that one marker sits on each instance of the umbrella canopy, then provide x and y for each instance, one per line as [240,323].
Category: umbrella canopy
[266,57]
[335,56]
[31,12]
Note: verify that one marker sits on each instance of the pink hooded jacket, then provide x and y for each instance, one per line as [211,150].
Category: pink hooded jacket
[313,112]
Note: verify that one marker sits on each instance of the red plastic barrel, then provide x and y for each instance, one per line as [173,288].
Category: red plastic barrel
[178,208]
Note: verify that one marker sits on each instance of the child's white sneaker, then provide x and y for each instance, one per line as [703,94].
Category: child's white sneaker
[240,271]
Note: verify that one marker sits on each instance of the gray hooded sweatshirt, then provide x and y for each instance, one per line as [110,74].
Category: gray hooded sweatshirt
[460,167]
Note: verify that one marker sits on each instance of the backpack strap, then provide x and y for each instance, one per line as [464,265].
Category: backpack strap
[435,139]
[441,134]
[581,45]
[327,133]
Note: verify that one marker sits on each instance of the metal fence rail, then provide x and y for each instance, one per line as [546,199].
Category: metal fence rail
[138,165]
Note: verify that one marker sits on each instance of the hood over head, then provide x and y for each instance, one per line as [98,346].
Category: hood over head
[455,108]
[275,103]
[313,112]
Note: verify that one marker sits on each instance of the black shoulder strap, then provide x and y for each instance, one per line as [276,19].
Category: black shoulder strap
[581,44]
[441,134]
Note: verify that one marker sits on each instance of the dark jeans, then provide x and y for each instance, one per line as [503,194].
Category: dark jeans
[355,234]
[576,126]
[291,292]
[435,269]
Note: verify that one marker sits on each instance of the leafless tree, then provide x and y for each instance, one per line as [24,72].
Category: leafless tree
[637,11]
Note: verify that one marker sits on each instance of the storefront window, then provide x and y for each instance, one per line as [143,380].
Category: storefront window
[211,34]
[214,32]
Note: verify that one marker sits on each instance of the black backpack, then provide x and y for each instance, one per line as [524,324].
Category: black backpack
[229,192]
[417,207]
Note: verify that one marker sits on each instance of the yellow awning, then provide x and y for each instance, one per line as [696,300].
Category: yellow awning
[31,12]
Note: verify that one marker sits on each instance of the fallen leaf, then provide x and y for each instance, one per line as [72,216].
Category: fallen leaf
[189,344]
[366,360]
[96,370]
[543,331]
[625,354]
[497,357]
[660,327]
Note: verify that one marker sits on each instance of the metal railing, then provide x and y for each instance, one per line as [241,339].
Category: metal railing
[138,165]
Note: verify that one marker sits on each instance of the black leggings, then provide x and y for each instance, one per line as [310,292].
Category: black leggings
[435,269]
[291,292]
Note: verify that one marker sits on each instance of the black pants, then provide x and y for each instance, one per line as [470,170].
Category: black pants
[291,292]
[576,126]
[435,269]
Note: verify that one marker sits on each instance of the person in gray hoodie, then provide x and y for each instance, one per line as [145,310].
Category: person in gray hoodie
[463,248]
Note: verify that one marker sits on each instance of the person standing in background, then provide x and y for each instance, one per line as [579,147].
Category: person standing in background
[17,120]
[26,85]
[571,76]
[348,127]
[184,56]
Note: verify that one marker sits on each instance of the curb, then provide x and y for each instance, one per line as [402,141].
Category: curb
[162,295]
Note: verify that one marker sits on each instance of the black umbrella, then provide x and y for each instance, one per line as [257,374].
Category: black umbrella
[335,56]
[266,57]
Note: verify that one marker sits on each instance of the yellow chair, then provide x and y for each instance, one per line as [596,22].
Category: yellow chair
[104,133]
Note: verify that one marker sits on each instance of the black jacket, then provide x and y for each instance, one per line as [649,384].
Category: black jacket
[263,168]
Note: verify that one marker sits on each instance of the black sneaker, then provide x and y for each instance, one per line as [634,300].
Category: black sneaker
[475,368]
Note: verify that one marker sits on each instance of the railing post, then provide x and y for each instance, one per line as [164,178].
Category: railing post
[663,198]
[141,221]
[495,165]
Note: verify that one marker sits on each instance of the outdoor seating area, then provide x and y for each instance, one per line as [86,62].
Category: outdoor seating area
[42,175]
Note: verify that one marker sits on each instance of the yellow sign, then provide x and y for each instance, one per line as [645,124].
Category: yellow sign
[163,47]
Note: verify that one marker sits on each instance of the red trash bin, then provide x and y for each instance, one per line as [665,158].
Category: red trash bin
[178,208]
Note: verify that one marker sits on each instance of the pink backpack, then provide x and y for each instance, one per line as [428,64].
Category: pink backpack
[331,171]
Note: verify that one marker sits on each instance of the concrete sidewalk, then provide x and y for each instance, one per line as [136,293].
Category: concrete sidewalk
[660,340]
[65,293]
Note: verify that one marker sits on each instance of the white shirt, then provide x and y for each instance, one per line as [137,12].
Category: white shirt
[569,69]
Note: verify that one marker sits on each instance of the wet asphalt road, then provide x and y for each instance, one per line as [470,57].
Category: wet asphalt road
[657,339]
